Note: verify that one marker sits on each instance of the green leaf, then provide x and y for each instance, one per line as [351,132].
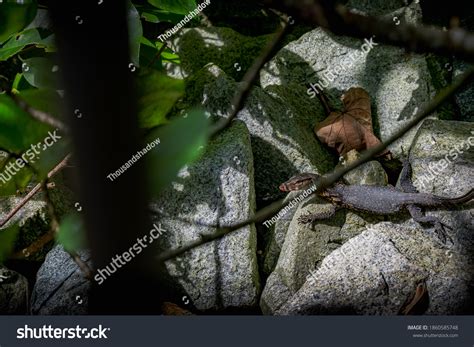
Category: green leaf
[71,233]
[17,129]
[23,39]
[51,153]
[18,181]
[150,17]
[46,100]
[7,241]
[180,143]
[157,95]
[18,42]
[135,33]
[175,6]
[154,15]
[148,55]
[41,72]
[14,16]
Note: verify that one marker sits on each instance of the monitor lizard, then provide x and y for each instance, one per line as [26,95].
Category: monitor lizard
[383,200]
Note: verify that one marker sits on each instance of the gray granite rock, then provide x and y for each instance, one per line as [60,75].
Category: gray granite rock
[218,188]
[303,248]
[283,142]
[14,293]
[367,275]
[276,236]
[60,287]
[442,158]
[399,84]
[377,272]
[370,173]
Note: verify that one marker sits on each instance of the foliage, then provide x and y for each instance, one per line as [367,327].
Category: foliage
[7,240]
[180,144]
[71,234]
[30,71]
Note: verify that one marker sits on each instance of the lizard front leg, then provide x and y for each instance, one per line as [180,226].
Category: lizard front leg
[313,217]
[417,215]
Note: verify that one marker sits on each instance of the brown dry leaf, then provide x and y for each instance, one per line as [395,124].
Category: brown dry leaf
[351,129]
[418,303]
[170,309]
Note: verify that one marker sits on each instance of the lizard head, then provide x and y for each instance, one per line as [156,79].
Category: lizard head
[299,182]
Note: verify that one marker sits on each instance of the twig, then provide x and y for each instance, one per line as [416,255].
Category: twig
[40,115]
[34,247]
[248,80]
[35,190]
[418,38]
[336,175]
[324,101]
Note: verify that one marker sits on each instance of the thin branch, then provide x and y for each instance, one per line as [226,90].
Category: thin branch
[324,101]
[248,81]
[335,176]
[41,116]
[35,247]
[35,190]
[417,38]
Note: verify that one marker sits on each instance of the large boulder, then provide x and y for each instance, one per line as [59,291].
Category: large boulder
[370,173]
[217,189]
[14,293]
[282,139]
[305,247]
[275,236]
[61,288]
[398,84]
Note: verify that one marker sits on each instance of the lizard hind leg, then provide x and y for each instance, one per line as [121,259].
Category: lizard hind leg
[439,227]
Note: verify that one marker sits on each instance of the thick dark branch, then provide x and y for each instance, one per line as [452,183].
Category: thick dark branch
[248,81]
[417,38]
[336,175]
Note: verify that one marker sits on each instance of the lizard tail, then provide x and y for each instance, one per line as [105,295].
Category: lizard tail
[459,200]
